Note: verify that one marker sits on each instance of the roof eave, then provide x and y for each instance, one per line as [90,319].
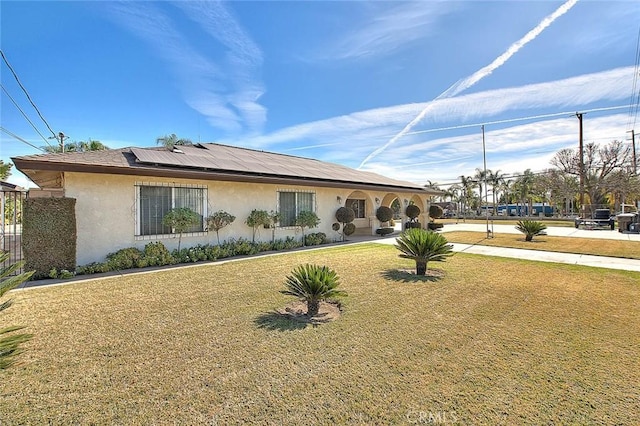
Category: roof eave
[27,165]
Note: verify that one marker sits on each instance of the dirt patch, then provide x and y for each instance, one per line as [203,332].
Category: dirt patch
[297,311]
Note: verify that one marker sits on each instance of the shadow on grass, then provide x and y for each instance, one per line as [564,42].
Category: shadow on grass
[275,320]
[406,276]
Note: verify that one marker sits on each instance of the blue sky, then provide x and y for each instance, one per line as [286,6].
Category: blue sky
[398,88]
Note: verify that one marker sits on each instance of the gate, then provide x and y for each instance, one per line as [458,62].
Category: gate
[11,202]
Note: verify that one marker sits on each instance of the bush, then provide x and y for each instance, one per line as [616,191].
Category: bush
[412,211]
[126,258]
[335,226]
[435,226]
[315,239]
[345,215]
[423,246]
[384,231]
[256,219]
[349,229]
[435,211]
[219,220]
[531,228]
[10,342]
[384,214]
[410,225]
[156,254]
[313,283]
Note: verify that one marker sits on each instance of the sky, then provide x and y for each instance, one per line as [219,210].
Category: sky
[398,88]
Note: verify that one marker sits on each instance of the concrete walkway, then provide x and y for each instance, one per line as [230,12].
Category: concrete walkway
[544,256]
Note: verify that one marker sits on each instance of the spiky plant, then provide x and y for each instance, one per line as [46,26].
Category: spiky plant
[531,228]
[313,283]
[10,341]
[423,246]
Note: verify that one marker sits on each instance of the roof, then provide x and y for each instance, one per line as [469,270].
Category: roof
[10,187]
[207,161]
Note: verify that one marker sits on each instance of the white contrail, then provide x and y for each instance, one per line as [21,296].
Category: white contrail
[469,81]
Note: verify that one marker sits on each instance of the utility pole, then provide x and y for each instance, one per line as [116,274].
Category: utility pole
[61,136]
[579,115]
[634,159]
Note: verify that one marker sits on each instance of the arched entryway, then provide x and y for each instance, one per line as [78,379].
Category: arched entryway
[364,208]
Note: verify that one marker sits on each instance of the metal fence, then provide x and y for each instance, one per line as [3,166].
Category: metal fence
[11,203]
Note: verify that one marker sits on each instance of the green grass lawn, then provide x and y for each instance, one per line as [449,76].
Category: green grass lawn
[594,246]
[495,341]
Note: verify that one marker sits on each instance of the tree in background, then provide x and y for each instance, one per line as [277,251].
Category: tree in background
[10,342]
[76,146]
[5,170]
[169,141]
[599,164]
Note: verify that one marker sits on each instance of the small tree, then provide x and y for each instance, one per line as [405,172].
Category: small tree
[531,228]
[256,219]
[345,215]
[307,219]
[435,211]
[313,283]
[423,246]
[180,220]
[219,220]
[412,211]
[10,341]
[274,219]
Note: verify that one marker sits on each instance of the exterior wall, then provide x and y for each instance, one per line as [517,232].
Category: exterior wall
[106,211]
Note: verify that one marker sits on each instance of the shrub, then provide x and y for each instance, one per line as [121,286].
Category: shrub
[412,211]
[384,214]
[423,246]
[348,229]
[384,231]
[435,211]
[219,220]
[345,215]
[156,254]
[411,224]
[313,283]
[10,342]
[335,226]
[531,228]
[126,258]
[435,226]
[315,239]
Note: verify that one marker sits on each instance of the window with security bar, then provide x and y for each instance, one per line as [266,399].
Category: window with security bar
[154,201]
[291,203]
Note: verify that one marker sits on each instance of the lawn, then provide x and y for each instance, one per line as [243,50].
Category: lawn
[565,223]
[496,341]
[593,246]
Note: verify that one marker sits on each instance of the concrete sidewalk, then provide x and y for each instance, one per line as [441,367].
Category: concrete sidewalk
[544,256]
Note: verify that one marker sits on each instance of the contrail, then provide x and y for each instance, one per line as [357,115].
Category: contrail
[469,81]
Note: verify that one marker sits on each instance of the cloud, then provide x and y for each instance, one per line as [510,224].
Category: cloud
[387,30]
[476,76]
[204,81]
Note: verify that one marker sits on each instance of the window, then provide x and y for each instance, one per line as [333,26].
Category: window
[155,201]
[291,203]
[357,206]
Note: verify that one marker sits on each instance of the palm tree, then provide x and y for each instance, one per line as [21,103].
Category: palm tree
[423,246]
[169,141]
[467,184]
[5,170]
[495,179]
[313,284]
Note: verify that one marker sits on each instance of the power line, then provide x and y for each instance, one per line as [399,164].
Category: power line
[24,115]
[636,72]
[27,94]
[21,139]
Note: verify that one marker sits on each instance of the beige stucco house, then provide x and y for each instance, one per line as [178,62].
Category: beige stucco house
[122,194]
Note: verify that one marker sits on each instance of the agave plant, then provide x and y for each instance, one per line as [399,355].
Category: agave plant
[423,246]
[531,228]
[313,283]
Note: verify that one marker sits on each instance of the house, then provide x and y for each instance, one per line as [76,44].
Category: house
[122,194]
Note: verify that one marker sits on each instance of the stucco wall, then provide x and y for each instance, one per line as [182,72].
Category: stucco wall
[106,210]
